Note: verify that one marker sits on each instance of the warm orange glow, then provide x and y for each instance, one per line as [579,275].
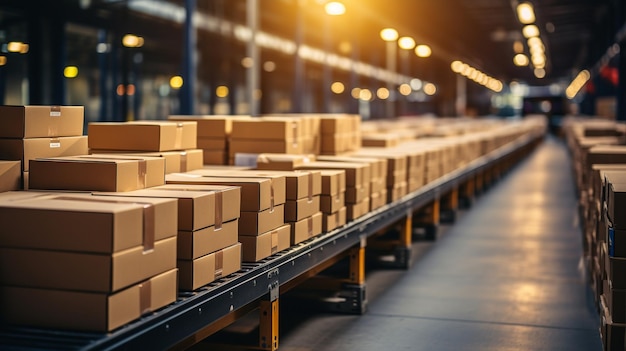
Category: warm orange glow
[120,90]
[530,31]
[365,95]
[221,91]
[382,93]
[389,34]
[335,8]
[130,89]
[520,60]
[406,43]
[176,82]
[518,47]
[337,87]
[540,72]
[356,92]
[456,66]
[525,13]
[430,89]
[423,50]
[3,60]
[405,89]
[132,41]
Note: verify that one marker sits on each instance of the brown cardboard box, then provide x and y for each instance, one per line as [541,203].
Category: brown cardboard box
[206,269]
[213,143]
[397,192]
[20,122]
[616,197]
[211,126]
[97,173]
[215,157]
[355,211]
[143,135]
[227,198]
[30,149]
[282,162]
[85,271]
[278,182]
[331,221]
[255,223]
[378,165]
[386,140]
[252,146]
[296,210]
[357,174]
[11,176]
[332,203]
[256,248]
[335,124]
[306,228]
[274,128]
[175,161]
[333,182]
[358,194]
[195,244]
[87,311]
[617,272]
[256,193]
[299,184]
[36,220]
[196,209]
[378,200]
[616,302]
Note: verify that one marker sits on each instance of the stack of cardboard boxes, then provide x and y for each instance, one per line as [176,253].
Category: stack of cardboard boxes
[340,134]
[396,173]
[29,132]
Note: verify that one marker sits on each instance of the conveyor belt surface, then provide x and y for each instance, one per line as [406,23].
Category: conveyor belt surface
[506,276]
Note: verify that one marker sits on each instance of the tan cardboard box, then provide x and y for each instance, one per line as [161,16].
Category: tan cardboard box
[299,184]
[381,184]
[396,161]
[227,198]
[282,162]
[143,135]
[86,271]
[20,122]
[273,128]
[97,173]
[378,165]
[206,269]
[87,311]
[11,175]
[354,211]
[296,210]
[195,244]
[333,182]
[616,198]
[255,223]
[211,126]
[256,193]
[332,203]
[175,161]
[357,174]
[215,157]
[213,143]
[36,220]
[251,146]
[30,149]
[358,194]
[333,220]
[306,228]
[377,200]
[335,124]
[385,140]
[397,192]
[258,247]
[196,209]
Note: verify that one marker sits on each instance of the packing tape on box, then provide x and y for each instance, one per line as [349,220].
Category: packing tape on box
[179,136]
[271,195]
[294,131]
[310,179]
[309,222]
[55,143]
[219,203]
[145,297]
[219,264]
[274,242]
[142,167]
[148,223]
[55,120]
[183,161]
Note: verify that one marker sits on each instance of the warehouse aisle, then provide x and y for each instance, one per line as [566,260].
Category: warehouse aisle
[506,276]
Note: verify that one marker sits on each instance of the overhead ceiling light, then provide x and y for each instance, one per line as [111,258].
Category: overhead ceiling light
[335,8]
[530,31]
[540,72]
[520,60]
[423,50]
[525,13]
[406,43]
[389,34]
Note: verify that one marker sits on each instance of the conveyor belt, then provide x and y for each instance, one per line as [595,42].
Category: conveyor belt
[194,311]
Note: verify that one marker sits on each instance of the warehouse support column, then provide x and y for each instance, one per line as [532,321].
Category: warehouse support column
[187,91]
[298,85]
[46,60]
[428,218]
[449,206]
[466,193]
[252,49]
[460,103]
[268,329]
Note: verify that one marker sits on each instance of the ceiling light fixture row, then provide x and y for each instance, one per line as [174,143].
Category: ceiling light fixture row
[477,76]
[526,16]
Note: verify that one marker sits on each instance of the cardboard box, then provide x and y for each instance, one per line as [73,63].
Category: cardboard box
[256,248]
[19,122]
[87,311]
[332,203]
[385,140]
[85,271]
[616,243]
[206,269]
[616,197]
[285,129]
[357,174]
[299,184]
[143,135]
[354,211]
[251,146]
[333,182]
[256,193]
[215,157]
[296,210]
[617,272]
[306,228]
[397,192]
[332,221]
[30,149]
[11,176]
[278,183]
[195,244]
[35,220]
[255,223]
[282,162]
[213,143]
[378,200]
[616,302]
[97,173]
[175,161]
[378,165]
[210,126]
[335,124]
[357,194]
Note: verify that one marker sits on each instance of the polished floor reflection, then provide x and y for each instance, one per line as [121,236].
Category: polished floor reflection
[507,276]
